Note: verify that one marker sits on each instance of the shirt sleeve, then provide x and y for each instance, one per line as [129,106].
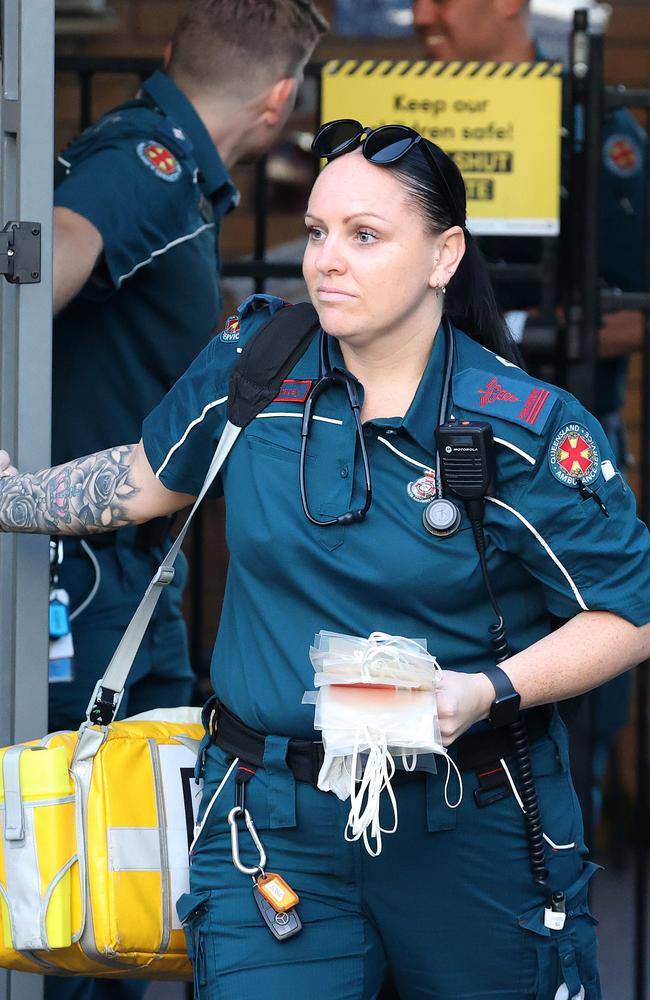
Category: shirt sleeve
[140,208]
[181,434]
[585,557]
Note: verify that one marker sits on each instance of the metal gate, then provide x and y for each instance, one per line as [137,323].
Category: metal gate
[26,136]
[587,301]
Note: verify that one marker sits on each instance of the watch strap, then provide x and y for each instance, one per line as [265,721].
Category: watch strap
[503,686]
[505,707]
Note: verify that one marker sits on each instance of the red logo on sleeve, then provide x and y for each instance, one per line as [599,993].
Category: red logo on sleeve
[159,159]
[493,393]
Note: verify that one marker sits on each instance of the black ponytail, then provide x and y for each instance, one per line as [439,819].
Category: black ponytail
[471,305]
[470,302]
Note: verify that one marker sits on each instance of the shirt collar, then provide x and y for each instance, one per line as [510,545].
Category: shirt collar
[421,418]
[173,102]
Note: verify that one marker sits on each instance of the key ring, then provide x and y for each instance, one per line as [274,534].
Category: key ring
[233,816]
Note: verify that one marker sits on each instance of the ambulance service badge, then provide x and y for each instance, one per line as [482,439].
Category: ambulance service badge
[163,163]
[573,456]
[622,156]
[423,489]
[230,332]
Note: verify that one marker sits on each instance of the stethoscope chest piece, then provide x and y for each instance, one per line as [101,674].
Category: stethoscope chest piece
[441,517]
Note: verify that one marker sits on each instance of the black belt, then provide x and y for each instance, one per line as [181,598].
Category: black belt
[305,757]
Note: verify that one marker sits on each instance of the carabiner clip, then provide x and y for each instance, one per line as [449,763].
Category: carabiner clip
[233,816]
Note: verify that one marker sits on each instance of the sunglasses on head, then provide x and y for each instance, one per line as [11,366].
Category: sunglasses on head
[383,146]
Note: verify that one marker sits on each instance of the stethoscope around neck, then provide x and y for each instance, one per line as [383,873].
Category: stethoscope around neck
[441,517]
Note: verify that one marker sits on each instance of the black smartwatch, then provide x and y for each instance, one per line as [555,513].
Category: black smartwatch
[505,707]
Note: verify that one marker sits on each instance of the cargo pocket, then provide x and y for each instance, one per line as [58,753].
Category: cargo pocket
[193,912]
[217,796]
[566,960]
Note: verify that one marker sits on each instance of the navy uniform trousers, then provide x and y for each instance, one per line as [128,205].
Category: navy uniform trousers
[449,906]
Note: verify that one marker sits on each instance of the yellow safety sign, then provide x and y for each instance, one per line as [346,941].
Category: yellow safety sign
[500,122]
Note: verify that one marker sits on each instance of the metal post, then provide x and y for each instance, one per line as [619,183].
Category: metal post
[86,99]
[580,348]
[583,312]
[26,139]
[261,217]
[643,680]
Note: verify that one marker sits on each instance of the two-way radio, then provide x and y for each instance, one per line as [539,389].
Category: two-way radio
[468,467]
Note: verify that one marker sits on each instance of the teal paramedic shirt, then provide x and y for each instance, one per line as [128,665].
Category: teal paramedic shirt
[550,552]
[150,179]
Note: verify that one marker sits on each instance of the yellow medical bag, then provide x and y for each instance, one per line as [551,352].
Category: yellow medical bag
[94,848]
[95,826]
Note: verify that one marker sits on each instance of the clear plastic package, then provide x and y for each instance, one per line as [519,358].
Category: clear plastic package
[375,705]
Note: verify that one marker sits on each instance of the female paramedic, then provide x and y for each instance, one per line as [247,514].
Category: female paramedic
[434,492]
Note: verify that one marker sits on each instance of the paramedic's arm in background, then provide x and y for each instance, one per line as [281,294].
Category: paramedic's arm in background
[101,492]
[77,247]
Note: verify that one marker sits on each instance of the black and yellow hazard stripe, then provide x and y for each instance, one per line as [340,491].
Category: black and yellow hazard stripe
[425,68]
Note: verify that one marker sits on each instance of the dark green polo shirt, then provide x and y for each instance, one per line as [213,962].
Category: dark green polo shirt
[149,177]
[549,551]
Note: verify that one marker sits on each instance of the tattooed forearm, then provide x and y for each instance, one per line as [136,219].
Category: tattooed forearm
[82,497]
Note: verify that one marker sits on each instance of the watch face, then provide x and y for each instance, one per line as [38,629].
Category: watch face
[505,710]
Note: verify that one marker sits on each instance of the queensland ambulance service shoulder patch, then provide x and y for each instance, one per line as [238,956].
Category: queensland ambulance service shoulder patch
[230,332]
[158,158]
[622,155]
[573,456]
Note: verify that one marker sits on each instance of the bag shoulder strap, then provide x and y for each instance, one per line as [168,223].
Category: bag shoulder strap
[267,359]
[263,365]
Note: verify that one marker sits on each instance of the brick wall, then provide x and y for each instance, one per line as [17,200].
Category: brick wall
[627,49]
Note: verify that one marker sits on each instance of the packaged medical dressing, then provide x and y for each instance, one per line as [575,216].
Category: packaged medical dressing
[375,705]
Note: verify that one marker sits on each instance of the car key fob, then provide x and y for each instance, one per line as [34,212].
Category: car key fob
[282,925]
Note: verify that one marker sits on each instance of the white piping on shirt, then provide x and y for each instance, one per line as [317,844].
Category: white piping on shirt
[504,361]
[513,447]
[546,547]
[411,461]
[281,413]
[197,420]
[158,253]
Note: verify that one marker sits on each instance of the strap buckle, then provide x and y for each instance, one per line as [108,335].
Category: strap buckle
[164,576]
[103,705]
[493,785]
